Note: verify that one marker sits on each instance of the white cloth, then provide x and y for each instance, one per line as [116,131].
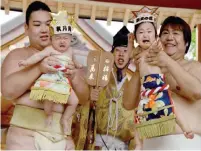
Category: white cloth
[47,141]
[111,142]
[173,142]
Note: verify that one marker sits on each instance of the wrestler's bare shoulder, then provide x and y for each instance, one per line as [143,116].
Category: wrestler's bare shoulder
[20,53]
[11,61]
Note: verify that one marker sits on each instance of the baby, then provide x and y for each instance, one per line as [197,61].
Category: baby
[55,88]
[155,114]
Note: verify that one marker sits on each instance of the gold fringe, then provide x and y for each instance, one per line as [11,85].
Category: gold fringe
[41,95]
[156,127]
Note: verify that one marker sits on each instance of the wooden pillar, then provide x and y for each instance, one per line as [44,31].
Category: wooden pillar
[198,37]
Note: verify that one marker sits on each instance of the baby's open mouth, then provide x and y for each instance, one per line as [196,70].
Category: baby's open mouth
[145,41]
[62,46]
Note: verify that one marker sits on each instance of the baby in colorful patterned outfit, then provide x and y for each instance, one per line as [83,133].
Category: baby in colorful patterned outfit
[155,114]
[54,88]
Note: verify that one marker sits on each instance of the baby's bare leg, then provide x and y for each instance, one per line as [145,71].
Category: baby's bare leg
[138,141]
[34,59]
[70,109]
[48,108]
[183,125]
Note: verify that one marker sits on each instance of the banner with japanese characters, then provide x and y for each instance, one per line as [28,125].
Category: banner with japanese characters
[99,68]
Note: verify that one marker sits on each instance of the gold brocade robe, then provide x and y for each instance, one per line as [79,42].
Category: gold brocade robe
[125,124]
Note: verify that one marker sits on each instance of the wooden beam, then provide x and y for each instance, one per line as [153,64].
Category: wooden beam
[109,18]
[192,22]
[178,14]
[6,45]
[126,16]
[6,6]
[198,19]
[24,6]
[119,9]
[160,17]
[59,6]
[198,41]
[76,15]
[93,13]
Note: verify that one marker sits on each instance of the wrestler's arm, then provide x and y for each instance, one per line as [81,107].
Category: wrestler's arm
[15,80]
[78,81]
[188,81]
[77,64]
[131,93]
[80,86]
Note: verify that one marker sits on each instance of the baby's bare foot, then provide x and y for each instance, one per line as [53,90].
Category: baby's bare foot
[185,128]
[189,135]
[138,147]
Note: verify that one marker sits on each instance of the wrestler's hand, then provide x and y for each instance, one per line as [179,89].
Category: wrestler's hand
[78,65]
[157,56]
[94,95]
[70,70]
[70,143]
[47,64]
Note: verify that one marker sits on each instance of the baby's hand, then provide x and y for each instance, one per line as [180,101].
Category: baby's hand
[130,37]
[22,63]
